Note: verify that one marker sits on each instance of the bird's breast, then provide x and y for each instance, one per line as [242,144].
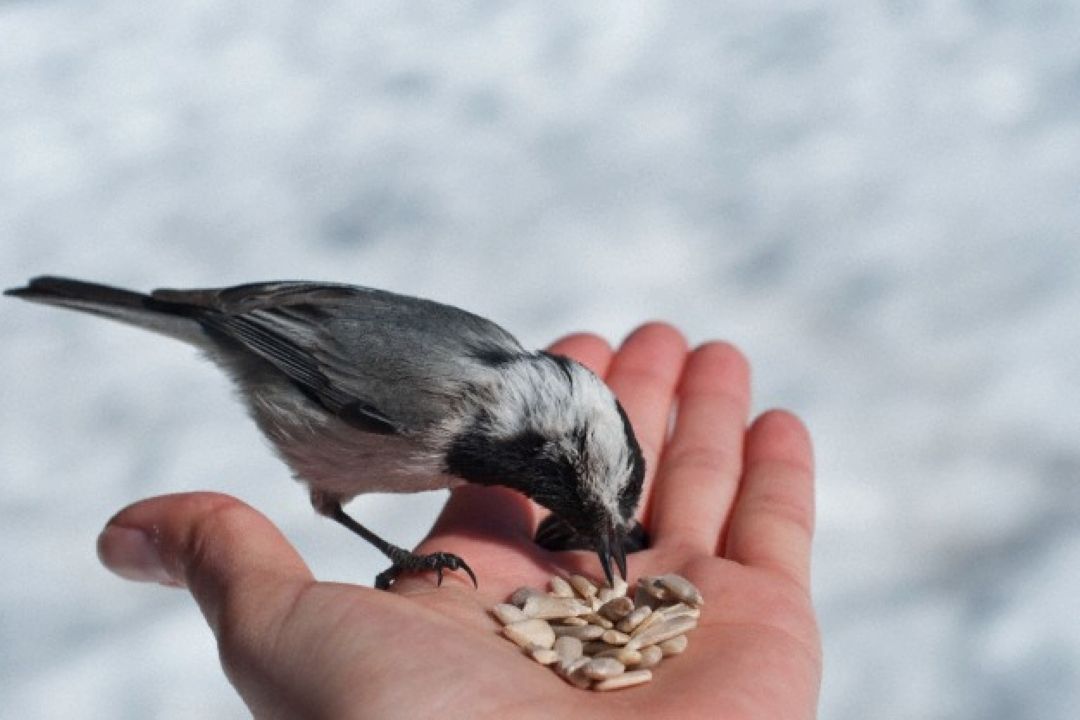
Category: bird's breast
[337,458]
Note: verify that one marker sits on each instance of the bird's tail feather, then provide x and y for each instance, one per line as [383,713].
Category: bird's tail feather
[125,306]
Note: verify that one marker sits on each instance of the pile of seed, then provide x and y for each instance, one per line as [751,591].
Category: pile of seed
[598,637]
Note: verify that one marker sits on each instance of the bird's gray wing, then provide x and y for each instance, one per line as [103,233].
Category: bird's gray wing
[383,362]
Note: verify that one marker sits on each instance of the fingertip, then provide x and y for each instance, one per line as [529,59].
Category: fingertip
[592,351]
[656,332]
[717,367]
[723,354]
[780,435]
[132,554]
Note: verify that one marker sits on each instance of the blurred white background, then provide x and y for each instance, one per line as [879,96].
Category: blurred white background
[878,201]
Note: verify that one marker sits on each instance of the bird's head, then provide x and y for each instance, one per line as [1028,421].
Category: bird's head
[556,433]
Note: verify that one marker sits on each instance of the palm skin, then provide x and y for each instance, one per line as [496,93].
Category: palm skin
[728,506]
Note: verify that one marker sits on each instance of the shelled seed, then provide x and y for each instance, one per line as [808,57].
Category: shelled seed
[631,621]
[659,632]
[568,649]
[650,657]
[581,632]
[572,673]
[600,668]
[542,655]
[614,637]
[583,586]
[590,635]
[604,594]
[527,633]
[522,594]
[561,588]
[626,657]
[679,609]
[547,607]
[681,588]
[507,613]
[598,619]
[625,680]
[673,646]
[616,608]
[650,620]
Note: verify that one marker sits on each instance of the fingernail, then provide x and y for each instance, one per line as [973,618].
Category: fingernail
[133,555]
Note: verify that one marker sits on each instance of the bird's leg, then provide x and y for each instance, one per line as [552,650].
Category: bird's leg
[402,561]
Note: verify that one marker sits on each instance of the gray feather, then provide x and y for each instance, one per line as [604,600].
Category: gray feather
[380,361]
[124,306]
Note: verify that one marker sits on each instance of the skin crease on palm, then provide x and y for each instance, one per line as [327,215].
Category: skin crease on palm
[728,505]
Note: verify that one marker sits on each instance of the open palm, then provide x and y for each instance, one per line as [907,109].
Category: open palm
[728,506]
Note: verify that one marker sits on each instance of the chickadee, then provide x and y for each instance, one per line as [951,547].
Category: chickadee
[362,390]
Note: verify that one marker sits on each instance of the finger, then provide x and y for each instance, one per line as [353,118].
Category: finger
[590,350]
[240,569]
[643,374]
[772,522]
[498,513]
[700,467]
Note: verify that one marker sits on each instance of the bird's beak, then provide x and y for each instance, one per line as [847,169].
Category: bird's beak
[612,545]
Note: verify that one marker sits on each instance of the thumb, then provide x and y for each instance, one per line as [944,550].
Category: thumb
[242,572]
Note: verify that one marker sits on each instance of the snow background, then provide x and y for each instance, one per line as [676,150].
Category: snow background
[878,201]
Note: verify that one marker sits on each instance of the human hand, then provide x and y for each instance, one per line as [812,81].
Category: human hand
[728,506]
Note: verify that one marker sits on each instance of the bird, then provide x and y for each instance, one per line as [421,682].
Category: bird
[361,390]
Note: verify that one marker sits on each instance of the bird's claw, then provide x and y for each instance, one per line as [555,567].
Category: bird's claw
[411,562]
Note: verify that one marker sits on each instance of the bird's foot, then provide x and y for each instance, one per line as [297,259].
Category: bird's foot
[407,562]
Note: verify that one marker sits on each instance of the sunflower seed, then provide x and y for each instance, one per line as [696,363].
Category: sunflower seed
[568,649]
[626,657]
[659,632]
[603,667]
[597,619]
[616,608]
[673,646]
[681,588]
[644,598]
[542,655]
[596,647]
[561,588]
[624,680]
[507,613]
[522,594]
[530,632]
[573,675]
[583,586]
[679,609]
[547,607]
[614,637]
[581,632]
[596,632]
[631,621]
[652,586]
[650,620]
[650,656]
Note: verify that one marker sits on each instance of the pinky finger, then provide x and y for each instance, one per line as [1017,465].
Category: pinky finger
[772,522]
